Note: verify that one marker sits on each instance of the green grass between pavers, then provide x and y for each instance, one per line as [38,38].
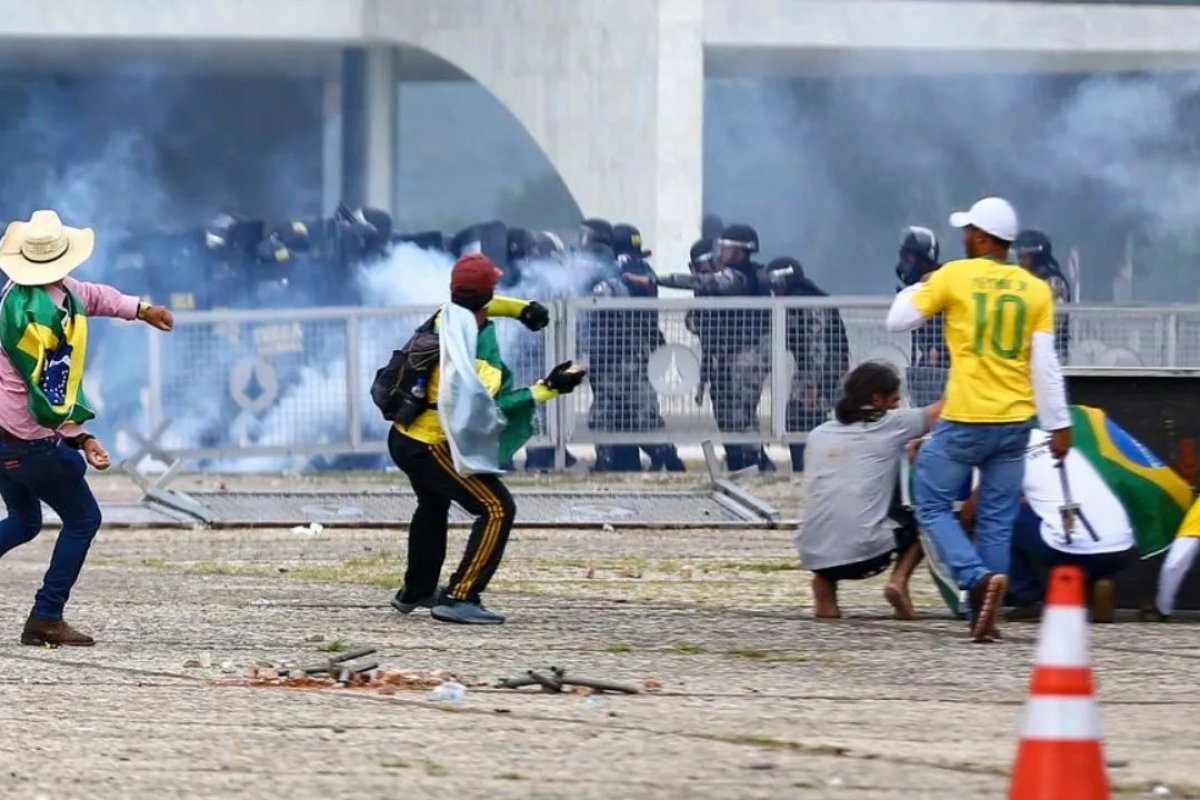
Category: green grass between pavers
[395,764]
[338,645]
[689,649]
[714,582]
[511,776]
[617,648]
[435,770]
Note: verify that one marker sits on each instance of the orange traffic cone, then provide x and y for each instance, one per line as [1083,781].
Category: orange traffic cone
[1061,755]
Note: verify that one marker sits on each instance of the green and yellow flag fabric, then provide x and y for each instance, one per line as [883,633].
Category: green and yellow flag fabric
[47,344]
[1155,497]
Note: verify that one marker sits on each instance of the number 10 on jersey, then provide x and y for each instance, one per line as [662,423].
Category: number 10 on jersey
[1000,328]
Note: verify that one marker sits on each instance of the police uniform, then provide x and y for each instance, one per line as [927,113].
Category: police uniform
[735,341]
[816,338]
[1035,252]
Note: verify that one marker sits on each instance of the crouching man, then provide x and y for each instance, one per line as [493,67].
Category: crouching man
[452,451]
[44,335]
[1090,529]
[854,528]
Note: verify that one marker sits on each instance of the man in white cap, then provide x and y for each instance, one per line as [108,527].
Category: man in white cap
[999,329]
[43,333]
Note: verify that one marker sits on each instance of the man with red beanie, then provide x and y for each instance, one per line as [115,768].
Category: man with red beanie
[452,450]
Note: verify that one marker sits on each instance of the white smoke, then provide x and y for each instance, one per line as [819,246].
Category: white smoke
[831,169]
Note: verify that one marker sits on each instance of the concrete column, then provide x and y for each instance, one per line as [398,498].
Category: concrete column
[369,123]
[380,96]
[679,132]
[354,138]
[331,147]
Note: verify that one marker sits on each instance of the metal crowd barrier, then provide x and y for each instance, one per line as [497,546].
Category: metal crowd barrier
[238,386]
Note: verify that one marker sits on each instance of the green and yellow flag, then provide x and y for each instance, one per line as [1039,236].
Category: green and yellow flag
[47,344]
[1155,497]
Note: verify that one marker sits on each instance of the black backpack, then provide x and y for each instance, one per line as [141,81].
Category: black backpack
[401,388]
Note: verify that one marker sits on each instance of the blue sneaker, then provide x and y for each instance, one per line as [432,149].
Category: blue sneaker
[406,605]
[464,612]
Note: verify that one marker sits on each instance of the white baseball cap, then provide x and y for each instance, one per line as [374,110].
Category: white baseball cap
[993,215]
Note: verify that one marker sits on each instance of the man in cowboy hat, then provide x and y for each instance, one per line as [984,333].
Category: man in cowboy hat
[43,335]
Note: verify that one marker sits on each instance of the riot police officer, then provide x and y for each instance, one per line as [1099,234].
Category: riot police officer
[593,256]
[640,337]
[736,340]
[1035,253]
[929,361]
[816,338]
[531,260]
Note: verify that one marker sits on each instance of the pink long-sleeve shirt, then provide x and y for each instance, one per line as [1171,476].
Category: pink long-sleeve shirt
[99,300]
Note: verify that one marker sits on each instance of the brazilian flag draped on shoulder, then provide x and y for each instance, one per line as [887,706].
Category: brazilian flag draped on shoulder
[483,430]
[517,405]
[1154,495]
[47,344]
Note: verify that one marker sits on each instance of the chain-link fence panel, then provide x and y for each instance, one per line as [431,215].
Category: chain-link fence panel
[1115,337]
[231,383]
[669,371]
[117,381]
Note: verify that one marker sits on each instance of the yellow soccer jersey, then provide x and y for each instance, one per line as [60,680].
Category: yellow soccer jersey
[992,310]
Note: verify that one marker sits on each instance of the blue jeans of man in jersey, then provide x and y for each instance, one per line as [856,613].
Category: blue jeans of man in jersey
[944,465]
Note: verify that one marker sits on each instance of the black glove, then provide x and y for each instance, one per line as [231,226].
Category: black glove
[563,381]
[534,316]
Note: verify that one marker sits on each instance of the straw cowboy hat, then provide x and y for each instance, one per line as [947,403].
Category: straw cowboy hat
[43,250]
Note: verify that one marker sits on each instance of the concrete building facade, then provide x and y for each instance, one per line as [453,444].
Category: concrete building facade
[612,91]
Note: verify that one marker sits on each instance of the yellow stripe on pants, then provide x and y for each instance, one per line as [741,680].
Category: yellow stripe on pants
[491,532]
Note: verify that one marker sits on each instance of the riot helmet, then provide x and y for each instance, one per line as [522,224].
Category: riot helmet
[919,254]
[521,247]
[217,232]
[547,244]
[595,235]
[700,258]
[627,241]
[1035,253]
[735,246]
[785,274]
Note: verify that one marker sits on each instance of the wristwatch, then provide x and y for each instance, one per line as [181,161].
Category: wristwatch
[143,307]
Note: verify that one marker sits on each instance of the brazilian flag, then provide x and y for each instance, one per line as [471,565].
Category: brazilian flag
[1153,495]
[47,344]
[517,405]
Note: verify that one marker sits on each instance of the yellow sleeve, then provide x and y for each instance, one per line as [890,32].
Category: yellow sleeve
[930,297]
[542,393]
[491,377]
[1043,316]
[506,307]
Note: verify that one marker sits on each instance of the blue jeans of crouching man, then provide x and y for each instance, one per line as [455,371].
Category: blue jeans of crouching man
[944,465]
[45,470]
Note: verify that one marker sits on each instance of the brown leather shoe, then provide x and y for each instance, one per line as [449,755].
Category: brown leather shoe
[55,632]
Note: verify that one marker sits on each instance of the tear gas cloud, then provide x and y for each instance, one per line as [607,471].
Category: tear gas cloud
[830,170]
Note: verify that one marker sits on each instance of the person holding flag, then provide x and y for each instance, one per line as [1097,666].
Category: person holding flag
[44,336]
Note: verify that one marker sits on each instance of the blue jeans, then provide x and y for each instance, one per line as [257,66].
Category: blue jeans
[944,465]
[47,470]
[1032,559]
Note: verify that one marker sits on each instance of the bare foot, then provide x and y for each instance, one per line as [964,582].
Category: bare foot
[901,603]
[825,604]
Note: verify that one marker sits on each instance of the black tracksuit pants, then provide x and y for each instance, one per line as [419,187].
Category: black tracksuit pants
[430,469]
